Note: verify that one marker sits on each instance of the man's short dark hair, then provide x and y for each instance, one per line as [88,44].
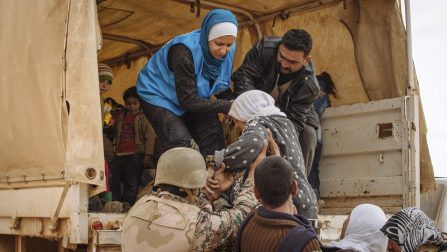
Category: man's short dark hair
[274,178]
[298,40]
[130,92]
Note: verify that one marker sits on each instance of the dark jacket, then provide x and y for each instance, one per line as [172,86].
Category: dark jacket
[260,71]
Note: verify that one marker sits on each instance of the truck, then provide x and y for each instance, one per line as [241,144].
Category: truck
[51,152]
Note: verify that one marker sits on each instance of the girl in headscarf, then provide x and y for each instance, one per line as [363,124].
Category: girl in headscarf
[361,231]
[255,112]
[410,228]
[178,81]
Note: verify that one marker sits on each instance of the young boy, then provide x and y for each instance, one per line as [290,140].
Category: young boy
[133,144]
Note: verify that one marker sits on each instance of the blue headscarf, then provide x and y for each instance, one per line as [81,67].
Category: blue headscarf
[211,65]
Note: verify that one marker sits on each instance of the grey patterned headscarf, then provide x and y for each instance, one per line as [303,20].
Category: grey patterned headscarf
[410,228]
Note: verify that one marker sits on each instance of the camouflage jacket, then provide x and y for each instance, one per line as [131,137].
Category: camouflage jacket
[214,228]
[165,222]
[168,223]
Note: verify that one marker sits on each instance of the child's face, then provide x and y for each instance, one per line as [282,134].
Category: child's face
[104,86]
[132,104]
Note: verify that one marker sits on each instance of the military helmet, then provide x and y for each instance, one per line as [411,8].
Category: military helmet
[182,167]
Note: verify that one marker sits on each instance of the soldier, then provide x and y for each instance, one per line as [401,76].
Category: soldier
[179,218]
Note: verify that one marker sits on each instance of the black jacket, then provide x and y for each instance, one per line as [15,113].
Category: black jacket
[260,71]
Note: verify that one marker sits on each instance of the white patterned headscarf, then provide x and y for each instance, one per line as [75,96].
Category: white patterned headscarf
[410,228]
[363,230]
[252,104]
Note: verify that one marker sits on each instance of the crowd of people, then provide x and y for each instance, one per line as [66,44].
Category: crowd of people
[260,193]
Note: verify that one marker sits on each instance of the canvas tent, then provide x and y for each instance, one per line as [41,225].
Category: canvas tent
[47,66]
[51,151]
[41,142]
[345,35]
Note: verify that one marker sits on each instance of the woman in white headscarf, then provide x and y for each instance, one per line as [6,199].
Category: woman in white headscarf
[361,231]
[255,112]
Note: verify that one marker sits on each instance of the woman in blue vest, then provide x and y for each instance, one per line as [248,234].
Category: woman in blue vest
[178,81]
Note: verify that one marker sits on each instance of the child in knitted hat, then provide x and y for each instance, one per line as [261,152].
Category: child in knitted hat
[105,78]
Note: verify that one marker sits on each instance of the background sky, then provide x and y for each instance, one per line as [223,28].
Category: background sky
[429,28]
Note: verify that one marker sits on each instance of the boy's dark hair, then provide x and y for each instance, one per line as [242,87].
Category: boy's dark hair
[131,92]
[298,40]
[273,180]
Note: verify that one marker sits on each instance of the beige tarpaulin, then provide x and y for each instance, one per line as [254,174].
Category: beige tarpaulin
[31,86]
[40,70]
[84,144]
[362,44]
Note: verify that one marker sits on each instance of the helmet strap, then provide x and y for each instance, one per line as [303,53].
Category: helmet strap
[191,197]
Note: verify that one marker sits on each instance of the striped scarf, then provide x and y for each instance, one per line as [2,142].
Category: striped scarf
[410,228]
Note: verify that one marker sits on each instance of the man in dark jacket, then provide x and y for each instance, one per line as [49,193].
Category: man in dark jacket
[282,67]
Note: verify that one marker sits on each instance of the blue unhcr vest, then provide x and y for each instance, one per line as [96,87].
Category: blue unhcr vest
[156,84]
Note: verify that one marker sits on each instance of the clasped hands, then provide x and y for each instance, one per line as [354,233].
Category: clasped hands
[219,180]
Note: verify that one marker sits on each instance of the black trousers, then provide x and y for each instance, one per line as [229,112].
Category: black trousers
[126,169]
[314,176]
[177,131]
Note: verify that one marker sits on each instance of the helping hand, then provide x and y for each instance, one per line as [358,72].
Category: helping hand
[219,182]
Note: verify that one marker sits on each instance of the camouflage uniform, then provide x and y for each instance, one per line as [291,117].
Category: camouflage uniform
[169,223]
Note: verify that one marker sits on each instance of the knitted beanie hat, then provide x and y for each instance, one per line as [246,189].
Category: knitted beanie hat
[105,72]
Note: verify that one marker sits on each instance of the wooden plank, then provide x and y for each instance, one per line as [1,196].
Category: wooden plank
[351,202]
[337,211]
[35,227]
[363,108]
[35,202]
[359,137]
[361,187]
[370,165]
[371,117]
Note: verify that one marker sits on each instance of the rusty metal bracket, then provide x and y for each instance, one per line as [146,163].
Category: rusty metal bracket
[55,220]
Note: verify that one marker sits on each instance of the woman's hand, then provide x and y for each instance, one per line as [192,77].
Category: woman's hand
[272,149]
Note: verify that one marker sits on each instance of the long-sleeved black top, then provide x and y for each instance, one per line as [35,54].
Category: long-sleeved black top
[181,63]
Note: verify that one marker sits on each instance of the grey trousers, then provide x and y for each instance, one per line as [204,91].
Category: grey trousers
[308,142]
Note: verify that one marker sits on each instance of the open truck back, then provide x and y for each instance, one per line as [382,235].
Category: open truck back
[51,153]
